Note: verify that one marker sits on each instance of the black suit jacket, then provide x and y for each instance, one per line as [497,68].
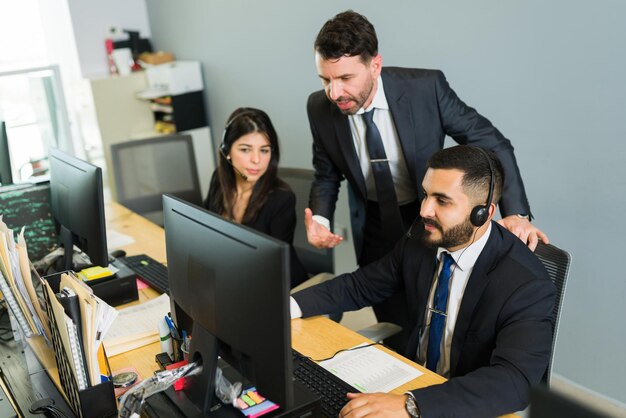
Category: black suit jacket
[277,218]
[503,334]
[424,109]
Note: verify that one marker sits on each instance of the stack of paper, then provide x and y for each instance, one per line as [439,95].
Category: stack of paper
[136,326]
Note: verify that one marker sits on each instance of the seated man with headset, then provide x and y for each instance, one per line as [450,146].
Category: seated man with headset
[480,302]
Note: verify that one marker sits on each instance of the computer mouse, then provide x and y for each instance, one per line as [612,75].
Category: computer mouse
[118,253]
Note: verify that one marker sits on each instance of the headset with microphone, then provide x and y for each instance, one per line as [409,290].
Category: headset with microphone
[480,213]
[222,147]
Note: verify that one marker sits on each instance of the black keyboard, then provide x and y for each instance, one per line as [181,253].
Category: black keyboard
[331,389]
[149,270]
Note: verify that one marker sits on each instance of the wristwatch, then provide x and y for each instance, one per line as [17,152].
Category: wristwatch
[523,216]
[411,407]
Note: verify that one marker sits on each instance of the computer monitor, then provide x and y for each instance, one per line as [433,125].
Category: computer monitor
[6,176]
[232,282]
[77,206]
[545,403]
[145,169]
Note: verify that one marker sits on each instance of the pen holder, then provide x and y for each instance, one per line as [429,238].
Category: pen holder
[93,402]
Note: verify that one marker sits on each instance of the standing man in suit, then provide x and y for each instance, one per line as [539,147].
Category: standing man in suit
[480,303]
[376,127]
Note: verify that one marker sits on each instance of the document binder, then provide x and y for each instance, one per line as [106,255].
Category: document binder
[68,299]
[77,353]
[97,401]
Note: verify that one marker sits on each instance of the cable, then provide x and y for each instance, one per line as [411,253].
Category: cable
[342,350]
[46,406]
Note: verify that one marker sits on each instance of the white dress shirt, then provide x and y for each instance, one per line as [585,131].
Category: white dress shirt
[405,191]
[464,260]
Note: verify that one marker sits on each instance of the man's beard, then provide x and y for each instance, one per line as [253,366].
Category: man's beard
[453,237]
[359,101]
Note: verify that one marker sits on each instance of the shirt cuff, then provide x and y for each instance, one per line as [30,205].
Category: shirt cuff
[296,312]
[322,221]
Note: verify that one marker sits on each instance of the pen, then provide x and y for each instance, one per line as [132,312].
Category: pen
[173,329]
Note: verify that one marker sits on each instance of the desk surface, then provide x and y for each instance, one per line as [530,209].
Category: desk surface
[316,337]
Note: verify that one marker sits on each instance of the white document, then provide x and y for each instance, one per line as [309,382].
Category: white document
[116,239]
[136,326]
[370,369]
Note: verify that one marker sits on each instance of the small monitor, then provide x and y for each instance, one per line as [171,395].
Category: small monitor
[77,207]
[6,176]
[232,283]
[545,403]
[146,169]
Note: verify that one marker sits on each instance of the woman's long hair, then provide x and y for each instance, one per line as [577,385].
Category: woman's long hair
[243,121]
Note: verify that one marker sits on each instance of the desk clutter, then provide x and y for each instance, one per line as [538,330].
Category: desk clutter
[71,319]
[82,363]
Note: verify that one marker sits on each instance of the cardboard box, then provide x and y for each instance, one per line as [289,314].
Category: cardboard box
[155,58]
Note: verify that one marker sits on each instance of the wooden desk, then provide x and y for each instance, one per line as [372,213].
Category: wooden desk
[316,337]
[149,237]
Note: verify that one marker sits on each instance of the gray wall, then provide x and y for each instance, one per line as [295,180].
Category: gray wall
[550,75]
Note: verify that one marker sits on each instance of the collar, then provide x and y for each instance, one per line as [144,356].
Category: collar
[379,102]
[470,253]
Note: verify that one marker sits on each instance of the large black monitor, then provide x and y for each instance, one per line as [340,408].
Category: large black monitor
[6,177]
[232,282]
[545,403]
[77,207]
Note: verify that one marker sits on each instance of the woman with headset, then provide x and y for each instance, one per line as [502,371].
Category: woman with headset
[245,187]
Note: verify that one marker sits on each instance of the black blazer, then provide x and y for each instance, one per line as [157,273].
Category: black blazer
[424,109]
[277,218]
[503,334]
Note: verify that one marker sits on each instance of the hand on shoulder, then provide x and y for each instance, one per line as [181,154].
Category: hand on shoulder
[524,230]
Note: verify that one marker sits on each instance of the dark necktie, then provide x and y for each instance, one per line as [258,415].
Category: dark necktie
[438,314]
[387,201]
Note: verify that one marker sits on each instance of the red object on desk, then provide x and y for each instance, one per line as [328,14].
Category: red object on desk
[179,384]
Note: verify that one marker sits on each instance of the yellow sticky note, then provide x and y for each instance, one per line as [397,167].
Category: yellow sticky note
[96,272]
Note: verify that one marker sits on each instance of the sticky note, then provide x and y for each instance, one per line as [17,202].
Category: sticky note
[96,272]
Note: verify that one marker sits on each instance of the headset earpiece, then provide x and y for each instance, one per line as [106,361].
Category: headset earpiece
[480,213]
[222,149]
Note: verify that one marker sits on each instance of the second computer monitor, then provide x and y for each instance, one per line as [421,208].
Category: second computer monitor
[233,283]
[77,206]
[6,176]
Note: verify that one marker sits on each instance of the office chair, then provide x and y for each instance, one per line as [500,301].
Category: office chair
[557,262]
[314,260]
[319,263]
[146,169]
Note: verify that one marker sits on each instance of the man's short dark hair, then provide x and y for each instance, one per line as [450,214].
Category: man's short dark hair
[348,34]
[472,161]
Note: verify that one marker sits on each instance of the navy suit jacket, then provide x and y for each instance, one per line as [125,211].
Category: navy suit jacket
[424,109]
[503,335]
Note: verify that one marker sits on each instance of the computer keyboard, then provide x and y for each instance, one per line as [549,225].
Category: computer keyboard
[149,270]
[331,390]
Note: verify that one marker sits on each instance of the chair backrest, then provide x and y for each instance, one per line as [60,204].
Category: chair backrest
[557,262]
[314,260]
[145,169]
